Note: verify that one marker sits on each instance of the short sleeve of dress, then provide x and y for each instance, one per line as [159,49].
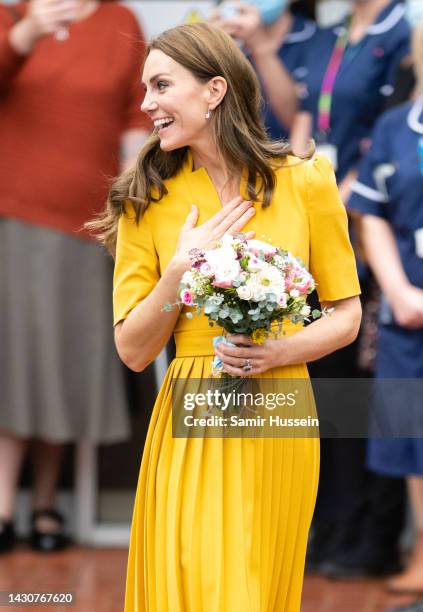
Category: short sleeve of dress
[136,265]
[332,259]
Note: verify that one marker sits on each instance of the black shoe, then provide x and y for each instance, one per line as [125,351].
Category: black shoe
[329,541]
[319,549]
[345,571]
[364,562]
[7,535]
[44,540]
[417,606]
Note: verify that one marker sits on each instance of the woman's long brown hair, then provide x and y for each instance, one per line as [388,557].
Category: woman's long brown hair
[239,133]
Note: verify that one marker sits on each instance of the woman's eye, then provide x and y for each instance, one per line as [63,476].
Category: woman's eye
[161,85]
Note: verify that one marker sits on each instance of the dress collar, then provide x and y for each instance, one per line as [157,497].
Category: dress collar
[302,30]
[390,16]
[201,176]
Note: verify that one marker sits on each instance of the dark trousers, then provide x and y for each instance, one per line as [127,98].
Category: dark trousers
[355,507]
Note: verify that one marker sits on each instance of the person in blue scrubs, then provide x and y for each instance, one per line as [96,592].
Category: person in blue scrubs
[350,73]
[389,195]
[275,35]
[291,53]
[362,84]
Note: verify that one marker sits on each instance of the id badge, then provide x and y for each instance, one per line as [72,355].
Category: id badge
[418,237]
[331,153]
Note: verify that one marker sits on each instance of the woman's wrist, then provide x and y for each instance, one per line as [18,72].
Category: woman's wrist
[393,290]
[178,265]
[281,352]
[260,46]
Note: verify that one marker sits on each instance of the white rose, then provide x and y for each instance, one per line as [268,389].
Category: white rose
[226,272]
[244,292]
[305,310]
[218,257]
[294,293]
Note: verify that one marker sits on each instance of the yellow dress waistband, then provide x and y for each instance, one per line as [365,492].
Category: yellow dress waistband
[199,342]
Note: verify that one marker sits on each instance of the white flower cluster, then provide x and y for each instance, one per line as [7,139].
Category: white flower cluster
[244,285]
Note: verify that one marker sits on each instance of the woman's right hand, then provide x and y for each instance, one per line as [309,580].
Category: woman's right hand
[43,17]
[407,306]
[48,16]
[230,220]
[246,25]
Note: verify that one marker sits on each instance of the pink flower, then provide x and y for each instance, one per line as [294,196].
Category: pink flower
[255,246]
[304,285]
[207,269]
[283,300]
[298,278]
[187,298]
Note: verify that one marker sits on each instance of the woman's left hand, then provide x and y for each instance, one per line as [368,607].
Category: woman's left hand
[261,357]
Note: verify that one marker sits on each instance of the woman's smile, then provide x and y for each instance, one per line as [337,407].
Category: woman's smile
[162,125]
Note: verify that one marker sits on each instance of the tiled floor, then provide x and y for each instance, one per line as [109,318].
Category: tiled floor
[322,595]
[97,578]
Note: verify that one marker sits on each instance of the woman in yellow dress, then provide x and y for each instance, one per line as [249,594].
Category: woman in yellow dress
[219,524]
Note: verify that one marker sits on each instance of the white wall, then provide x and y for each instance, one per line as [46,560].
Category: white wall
[158,15]
[332,11]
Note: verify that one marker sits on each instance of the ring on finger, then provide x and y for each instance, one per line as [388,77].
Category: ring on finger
[247,365]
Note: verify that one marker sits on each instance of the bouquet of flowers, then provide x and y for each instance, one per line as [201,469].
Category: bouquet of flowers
[244,286]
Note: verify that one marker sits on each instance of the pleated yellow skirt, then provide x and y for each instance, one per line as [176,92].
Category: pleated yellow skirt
[219,524]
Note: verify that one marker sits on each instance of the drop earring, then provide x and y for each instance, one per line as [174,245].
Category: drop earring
[208,114]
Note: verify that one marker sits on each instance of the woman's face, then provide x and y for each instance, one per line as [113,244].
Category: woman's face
[175,101]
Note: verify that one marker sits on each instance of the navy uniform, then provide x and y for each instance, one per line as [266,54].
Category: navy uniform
[348,541]
[390,186]
[293,54]
[363,83]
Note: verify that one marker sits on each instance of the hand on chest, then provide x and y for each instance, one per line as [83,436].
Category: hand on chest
[283,223]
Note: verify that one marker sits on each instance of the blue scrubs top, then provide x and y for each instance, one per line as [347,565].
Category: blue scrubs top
[364,80]
[390,185]
[293,54]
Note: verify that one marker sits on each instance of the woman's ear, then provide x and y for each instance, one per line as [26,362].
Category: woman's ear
[217,88]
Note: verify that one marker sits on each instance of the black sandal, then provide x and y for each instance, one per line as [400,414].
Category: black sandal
[48,541]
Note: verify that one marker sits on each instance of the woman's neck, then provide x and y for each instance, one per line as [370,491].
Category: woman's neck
[226,185]
[365,12]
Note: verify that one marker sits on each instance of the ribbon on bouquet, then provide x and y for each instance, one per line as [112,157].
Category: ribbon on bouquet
[217,364]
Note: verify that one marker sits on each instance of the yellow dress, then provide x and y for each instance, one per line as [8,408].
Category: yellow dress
[221,524]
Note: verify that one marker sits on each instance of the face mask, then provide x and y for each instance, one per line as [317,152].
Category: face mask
[270,10]
[414,12]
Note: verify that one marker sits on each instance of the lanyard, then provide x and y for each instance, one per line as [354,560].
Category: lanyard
[326,93]
[420,153]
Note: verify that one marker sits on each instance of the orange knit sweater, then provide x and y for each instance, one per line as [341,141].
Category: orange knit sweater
[63,110]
